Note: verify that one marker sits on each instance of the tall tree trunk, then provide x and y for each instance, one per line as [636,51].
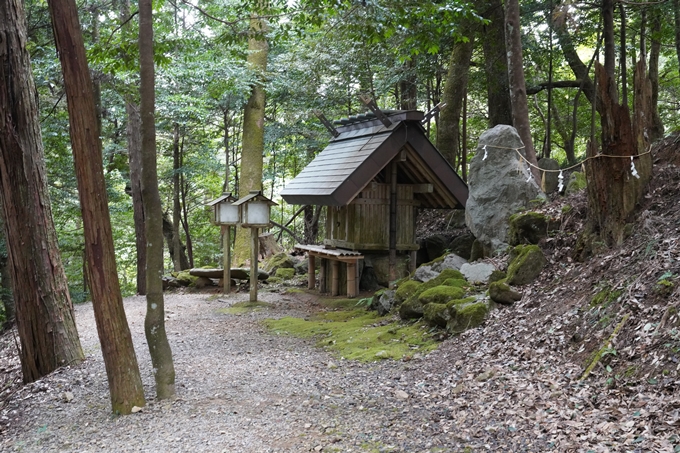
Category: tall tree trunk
[676,21]
[134,141]
[125,384]
[448,133]
[408,87]
[134,144]
[154,322]
[176,206]
[496,64]
[622,55]
[518,91]
[253,130]
[656,128]
[44,313]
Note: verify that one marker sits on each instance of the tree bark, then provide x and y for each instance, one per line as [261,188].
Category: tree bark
[125,384]
[176,204]
[448,132]
[613,190]
[518,92]
[154,322]
[253,130]
[656,128]
[496,64]
[134,144]
[676,21]
[44,313]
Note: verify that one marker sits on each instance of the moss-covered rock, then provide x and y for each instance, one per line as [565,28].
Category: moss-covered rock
[457,282]
[477,251]
[577,182]
[437,314]
[184,278]
[280,260]
[527,227]
[527,262]
[441,294]
[406,290]
[500,292]
[466,316]
[496,276]
[462,246]
[411,309]
[285,273]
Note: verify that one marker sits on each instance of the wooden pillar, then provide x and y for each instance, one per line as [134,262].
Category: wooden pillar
[253,264]
[311,280]
[351,279]
[226,259]
[322,276]
[335,278]
[393,223]
[412,261]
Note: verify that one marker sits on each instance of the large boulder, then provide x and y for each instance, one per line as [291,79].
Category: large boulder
[500,184]
[462,245]
[279,261]
[435,246]
[478,272]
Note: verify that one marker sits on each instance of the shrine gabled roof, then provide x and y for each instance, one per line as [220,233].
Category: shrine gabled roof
[362,149]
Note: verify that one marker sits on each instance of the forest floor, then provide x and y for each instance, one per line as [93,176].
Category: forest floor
[516,383]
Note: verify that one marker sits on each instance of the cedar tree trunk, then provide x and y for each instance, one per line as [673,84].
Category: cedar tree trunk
[44,313]
[125,384]
[496,64]
[518,91]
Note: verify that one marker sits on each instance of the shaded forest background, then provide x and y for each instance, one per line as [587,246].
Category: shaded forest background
[321,57]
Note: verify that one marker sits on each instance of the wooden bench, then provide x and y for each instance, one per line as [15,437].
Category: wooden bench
[336,256]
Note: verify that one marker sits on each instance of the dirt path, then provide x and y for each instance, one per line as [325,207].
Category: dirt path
[242,389]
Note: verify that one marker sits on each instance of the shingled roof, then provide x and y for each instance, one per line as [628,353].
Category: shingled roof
[366,146]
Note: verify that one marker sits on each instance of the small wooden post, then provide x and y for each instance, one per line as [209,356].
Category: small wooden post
[322,276]
[351,279]
[311,280]
[226,259]
[412,261]
[253,264]
[393,224]
[335,278]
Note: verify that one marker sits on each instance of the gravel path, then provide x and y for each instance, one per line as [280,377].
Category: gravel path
[243,389]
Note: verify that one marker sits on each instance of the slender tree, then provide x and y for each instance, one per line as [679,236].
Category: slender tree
[154,322]
[518,90]
[125,384]
[44,313]
[496,64]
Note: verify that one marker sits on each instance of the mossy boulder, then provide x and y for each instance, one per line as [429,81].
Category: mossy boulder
[411,309]
[500,292]
[462,246]
[477,251]
[437,314]
[278,261]
[466,316]
[184,278]
[441,294]
[457,282]
[577,182]
[496,276]
[527,227]
[406,290]
[285,273]
[527,262]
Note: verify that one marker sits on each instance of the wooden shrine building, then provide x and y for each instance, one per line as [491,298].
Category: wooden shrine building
[372,176]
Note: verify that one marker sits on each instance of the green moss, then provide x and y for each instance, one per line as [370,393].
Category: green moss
[527,262]
[240,308]
[605,349]
[457,282]
[577,182]
[496,276]
[349,304]
[406,290]
[185,278]
[274,280]
[285,273]
[436,314]
[467,316]
[467,300]
[357,334]
[441,294]
[275,262]
[294,291]
[605,297]
[528,227]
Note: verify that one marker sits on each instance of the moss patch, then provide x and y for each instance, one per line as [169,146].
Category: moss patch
[527,262]
[467,316]
[240,308]
[441,294]
[605,297]
[406,290]
[358,334]
[457,282]
[285,273]
[349,304]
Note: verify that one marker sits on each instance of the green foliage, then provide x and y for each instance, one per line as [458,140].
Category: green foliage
[441,294]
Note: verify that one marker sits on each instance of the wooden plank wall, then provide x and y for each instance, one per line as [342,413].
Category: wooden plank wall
[364,224]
